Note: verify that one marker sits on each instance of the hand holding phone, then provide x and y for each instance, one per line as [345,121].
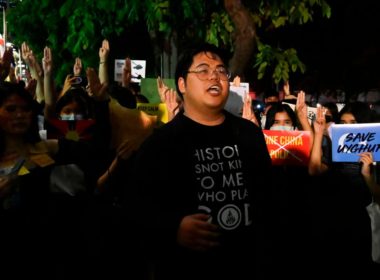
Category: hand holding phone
[78,81]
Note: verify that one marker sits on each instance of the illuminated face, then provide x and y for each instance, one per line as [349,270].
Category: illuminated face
[347,118]
[202,93]
[71,111]
[15,115]
[282,119]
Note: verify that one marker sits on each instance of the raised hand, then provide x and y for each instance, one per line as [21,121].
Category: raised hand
[286,88]
[236,81]
[287,92]
[77,69]
[104,51]
[5,63]
[67,84]
[248,113]
[47,61]
[103,58]
[26,53]
[127,73]
[320,121]
[301,106]
[29,58]
[169,97]
[95,88]
[48,90]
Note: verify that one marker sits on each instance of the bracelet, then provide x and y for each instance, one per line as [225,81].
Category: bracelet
[101,62]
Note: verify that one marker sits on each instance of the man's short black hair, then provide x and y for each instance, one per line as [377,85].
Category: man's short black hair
[187,57]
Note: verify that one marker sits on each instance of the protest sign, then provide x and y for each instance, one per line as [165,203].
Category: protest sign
[158,109]
[288,147]
[350,140]
[138,70]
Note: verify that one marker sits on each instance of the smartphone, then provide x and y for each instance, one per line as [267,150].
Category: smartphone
[79,81]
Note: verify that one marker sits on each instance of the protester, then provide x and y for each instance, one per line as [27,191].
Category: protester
[202,182]
[341,225]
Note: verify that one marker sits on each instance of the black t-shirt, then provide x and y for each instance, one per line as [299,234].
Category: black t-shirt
[186,168]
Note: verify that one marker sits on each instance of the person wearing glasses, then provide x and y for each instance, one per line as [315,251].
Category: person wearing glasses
[201,182]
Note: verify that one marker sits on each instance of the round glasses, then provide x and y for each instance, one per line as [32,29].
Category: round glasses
[204,73]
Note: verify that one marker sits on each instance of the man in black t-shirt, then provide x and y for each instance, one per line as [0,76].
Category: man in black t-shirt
[201,183]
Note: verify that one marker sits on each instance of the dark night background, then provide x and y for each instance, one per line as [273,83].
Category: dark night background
[342,52]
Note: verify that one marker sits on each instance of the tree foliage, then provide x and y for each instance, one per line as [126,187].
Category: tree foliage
[76,28]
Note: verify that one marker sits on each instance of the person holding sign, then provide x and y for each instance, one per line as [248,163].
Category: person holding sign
[343,228]
[282,117]
[287,135]
[202,182]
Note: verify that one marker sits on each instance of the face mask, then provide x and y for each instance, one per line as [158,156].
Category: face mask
[71,117]
[281,127]
[67,117]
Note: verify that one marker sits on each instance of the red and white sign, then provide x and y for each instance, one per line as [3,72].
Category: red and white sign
[288,147]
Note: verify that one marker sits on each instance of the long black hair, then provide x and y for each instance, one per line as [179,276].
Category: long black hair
[360,110]
[79,96]
[278,108]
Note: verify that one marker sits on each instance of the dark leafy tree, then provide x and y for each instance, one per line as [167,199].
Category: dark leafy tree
[245,28]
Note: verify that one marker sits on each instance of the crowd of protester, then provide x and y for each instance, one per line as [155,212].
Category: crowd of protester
[99,203]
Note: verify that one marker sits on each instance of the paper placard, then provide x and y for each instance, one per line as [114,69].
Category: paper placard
[158,109]
[236,97]
[350,140]
[288,147]
[138,70]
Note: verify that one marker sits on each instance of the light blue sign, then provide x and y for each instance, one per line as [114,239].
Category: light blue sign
[350,140]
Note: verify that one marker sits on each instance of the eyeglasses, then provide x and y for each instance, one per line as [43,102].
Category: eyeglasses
[204,72]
